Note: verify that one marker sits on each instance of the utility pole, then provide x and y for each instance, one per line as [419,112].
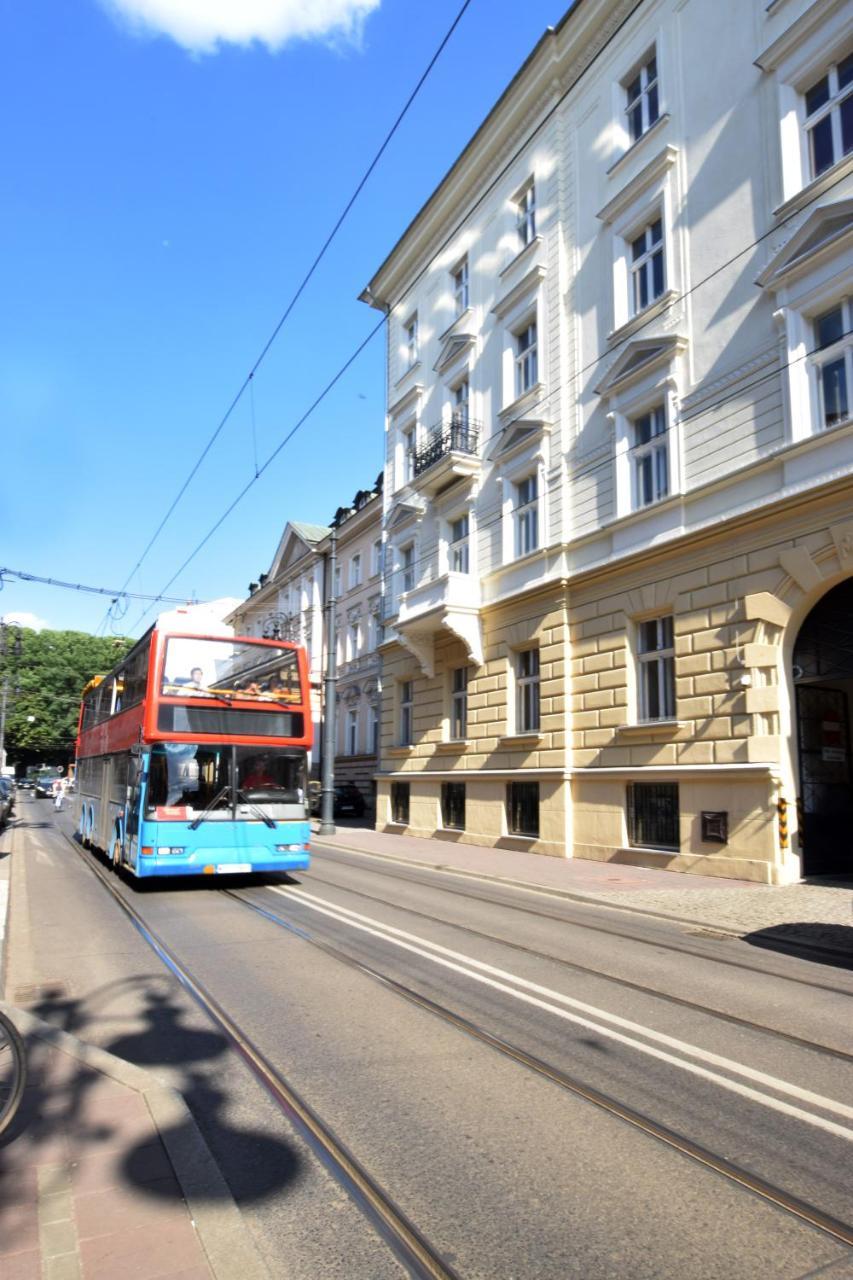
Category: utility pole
[330,710]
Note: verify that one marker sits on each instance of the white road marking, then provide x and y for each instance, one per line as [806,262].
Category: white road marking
[4,906]
[498,978]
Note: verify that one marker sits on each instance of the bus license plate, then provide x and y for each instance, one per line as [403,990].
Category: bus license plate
[238,868]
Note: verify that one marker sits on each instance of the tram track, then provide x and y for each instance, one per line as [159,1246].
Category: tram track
[839,961]
[419,1257]
[695,1151]
[573,966]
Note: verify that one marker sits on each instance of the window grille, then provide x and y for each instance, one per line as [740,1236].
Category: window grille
[653,815]
[522,808]
[453,805]
[400,802]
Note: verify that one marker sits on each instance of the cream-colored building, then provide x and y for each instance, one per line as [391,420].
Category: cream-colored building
[618,500]
[358,634]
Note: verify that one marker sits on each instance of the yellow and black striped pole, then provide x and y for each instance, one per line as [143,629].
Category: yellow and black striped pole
[782,810]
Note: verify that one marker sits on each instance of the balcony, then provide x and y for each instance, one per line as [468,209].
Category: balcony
[448,452]
[449,602]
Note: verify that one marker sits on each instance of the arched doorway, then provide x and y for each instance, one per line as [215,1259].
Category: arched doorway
[823,680]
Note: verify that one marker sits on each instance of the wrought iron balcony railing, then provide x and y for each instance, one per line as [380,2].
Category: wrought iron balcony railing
[460,435]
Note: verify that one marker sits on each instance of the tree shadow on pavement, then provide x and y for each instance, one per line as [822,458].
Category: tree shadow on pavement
[70,1106]
[830,944]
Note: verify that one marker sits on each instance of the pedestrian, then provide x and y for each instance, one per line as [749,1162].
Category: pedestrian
[59,793]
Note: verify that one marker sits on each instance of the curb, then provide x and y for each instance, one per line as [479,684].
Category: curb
[573,896]
[224,1236]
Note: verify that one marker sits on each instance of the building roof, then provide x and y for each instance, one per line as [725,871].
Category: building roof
[310,532]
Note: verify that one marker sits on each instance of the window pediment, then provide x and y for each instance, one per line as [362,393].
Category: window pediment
[524,289]
[403,513]
[826,230]
[637,359]
[456,346]
[408,403]
[644,180]
[517,436]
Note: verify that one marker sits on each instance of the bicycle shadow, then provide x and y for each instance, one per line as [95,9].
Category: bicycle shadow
[75,1115]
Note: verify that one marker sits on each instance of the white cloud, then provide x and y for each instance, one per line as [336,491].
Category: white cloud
[202,25]
[27,620]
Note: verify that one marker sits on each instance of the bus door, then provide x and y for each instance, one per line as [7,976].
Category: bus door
[135,788]
[103,834]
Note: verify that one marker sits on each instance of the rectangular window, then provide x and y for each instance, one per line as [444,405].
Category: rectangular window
[526,515]
[352,733]
[355,571]
[653,815]
[408,440]
[459,703]
[400,802]
[411,330]
[829,116]
[460,287]
[651,457]
[527,691]
[642,98]
[525,215]
[374,731]
[647,266]
[376,558]
[354,641]
[459,556]
[406,688]
[337,581]
[526,361]
[522,808]
[453,805]
[832,361]
[656,661]
[459,419]
[407,567]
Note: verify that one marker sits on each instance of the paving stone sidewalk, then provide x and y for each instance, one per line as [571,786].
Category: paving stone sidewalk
[104,1175]
[819,915]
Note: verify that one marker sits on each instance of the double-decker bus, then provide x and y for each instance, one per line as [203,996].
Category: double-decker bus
[192,755]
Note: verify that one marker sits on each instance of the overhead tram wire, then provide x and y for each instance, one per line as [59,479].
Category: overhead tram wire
[247,381]
[575,374]
[79,586]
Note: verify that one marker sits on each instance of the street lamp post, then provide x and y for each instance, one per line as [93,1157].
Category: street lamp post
[4,696]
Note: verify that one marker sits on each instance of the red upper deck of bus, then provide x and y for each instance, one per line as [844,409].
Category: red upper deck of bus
[180,687]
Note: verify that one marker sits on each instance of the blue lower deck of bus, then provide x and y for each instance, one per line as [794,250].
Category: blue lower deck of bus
[219,847]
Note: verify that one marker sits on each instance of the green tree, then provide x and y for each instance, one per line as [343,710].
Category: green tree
[45,673]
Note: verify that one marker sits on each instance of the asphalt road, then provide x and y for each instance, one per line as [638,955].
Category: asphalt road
[508,1171]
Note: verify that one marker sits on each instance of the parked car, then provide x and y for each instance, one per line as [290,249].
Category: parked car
[7,798]
[349,801]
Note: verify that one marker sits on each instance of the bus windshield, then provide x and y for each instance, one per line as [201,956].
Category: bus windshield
[186,779]
[228,669]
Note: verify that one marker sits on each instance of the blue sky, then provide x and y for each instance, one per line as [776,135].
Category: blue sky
[164,192]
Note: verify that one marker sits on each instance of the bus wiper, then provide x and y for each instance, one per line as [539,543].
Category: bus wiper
[256,808]
[223,697]
[220,795]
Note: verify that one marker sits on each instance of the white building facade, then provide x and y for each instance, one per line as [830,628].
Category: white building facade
[618,499]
